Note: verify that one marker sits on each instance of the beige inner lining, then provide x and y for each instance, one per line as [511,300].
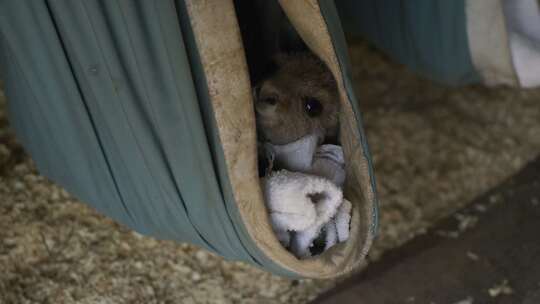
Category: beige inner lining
[220,47]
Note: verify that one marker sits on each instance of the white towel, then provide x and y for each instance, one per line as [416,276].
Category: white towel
[295,156]
[329,162]
[300,205]
[337,230]
[305,156]
[308,202]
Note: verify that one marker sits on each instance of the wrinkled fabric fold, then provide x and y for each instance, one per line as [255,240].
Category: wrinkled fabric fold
[104,100]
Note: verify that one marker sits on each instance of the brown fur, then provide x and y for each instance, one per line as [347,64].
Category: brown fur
[298,77]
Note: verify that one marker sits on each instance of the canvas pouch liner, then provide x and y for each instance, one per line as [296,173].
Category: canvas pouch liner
[143,110]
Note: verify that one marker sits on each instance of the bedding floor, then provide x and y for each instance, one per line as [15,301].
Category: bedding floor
[434,147]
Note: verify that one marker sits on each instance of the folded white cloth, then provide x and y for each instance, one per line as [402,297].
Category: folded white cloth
[338,230]
[301,205]
[308,202]
[329,162]
[295,156]
[304,155]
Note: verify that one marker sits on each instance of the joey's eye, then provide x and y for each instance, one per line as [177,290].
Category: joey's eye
[312,106]
[271,100]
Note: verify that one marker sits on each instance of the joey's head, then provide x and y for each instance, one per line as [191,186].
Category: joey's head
[299,97]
